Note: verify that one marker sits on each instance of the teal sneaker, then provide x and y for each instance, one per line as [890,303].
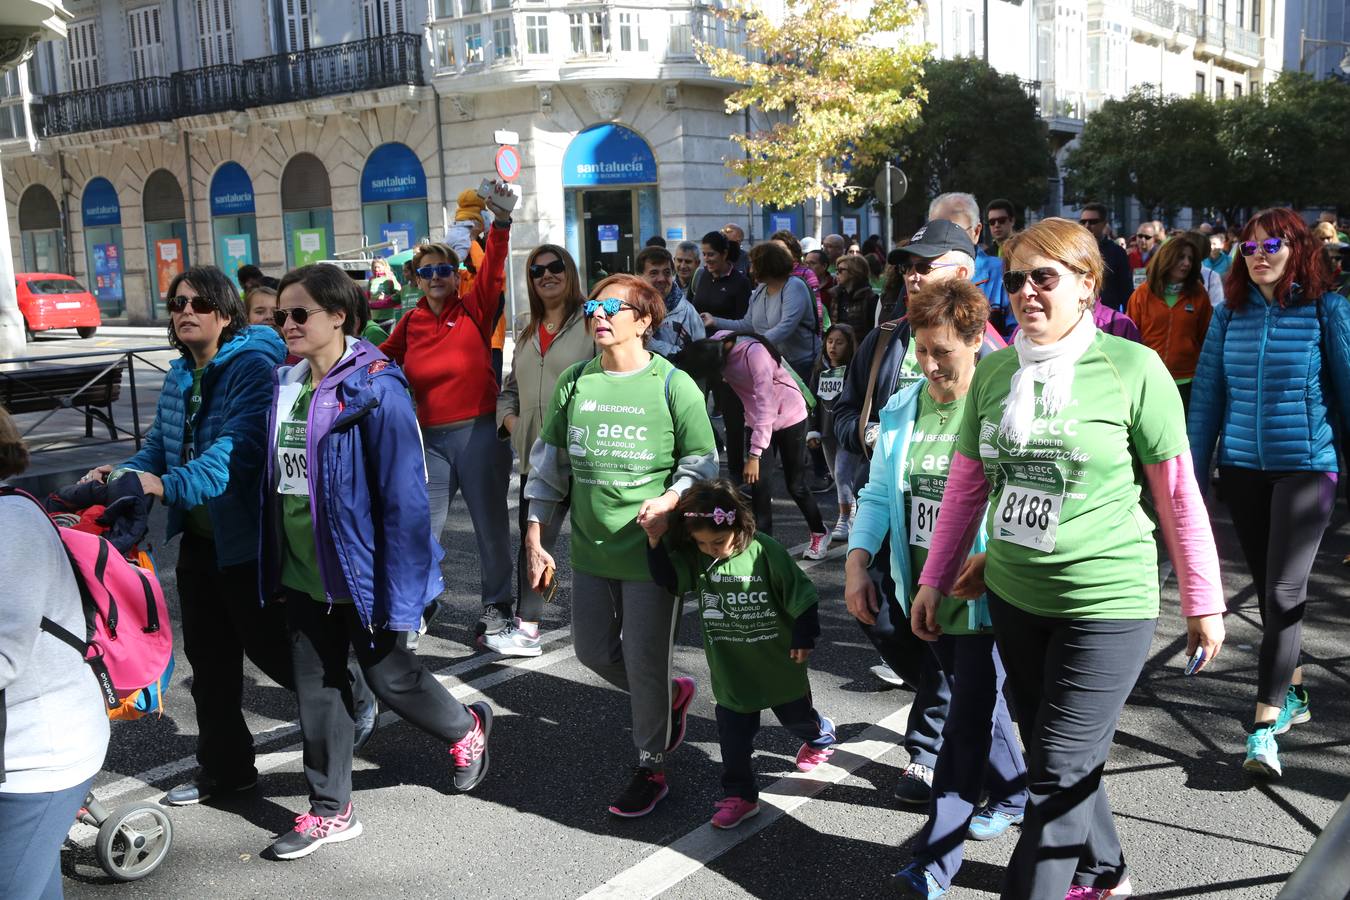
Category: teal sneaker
[989,824]
[1295,711]
[915,881]
[1263,754]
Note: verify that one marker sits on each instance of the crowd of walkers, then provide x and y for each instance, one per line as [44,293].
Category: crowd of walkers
[1019,430]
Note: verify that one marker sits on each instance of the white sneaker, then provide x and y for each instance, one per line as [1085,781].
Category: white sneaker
[840,532]
[887,674]
[820,543]
[514,640]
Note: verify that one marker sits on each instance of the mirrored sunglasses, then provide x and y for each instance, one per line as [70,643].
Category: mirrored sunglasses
[440,270]
[611,306]
[1269,247]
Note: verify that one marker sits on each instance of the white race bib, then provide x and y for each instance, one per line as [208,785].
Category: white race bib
[291,460]
[830,384]
[925,502]
[1029,506]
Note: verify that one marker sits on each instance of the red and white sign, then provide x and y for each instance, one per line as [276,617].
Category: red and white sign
[508,163]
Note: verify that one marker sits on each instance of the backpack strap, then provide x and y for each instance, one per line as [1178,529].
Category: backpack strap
[888,330]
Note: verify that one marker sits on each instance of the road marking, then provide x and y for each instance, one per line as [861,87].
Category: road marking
[148,779]
[675,862]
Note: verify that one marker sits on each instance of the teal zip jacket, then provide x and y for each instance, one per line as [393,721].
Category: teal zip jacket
[881,503]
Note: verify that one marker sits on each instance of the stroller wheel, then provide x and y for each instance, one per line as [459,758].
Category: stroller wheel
[133,841]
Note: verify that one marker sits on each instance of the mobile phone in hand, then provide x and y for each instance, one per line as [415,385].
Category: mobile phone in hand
[1194,664]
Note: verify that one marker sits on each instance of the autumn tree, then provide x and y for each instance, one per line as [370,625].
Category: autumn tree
[833,80]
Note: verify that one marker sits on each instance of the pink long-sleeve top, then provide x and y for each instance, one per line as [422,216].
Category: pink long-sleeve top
[1181,515]
[767,390]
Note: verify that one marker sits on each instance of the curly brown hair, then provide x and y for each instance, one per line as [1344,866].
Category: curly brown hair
[952,301]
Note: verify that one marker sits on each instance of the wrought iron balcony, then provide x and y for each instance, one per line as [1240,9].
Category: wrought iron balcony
[379,62]
[108,106]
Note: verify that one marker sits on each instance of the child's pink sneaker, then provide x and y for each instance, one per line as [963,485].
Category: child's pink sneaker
[732,811]
[809,757]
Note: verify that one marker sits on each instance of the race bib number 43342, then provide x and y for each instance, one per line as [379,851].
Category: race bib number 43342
[1029,506]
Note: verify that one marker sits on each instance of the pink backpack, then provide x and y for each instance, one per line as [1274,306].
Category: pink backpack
[128,639]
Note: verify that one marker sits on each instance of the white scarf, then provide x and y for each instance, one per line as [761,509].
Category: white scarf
[1050,364]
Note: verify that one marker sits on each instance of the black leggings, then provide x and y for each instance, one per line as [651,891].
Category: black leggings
[790,443]
[1280,518]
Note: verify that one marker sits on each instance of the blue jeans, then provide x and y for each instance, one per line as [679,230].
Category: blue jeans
[467,457]
[973,755]
[32,829]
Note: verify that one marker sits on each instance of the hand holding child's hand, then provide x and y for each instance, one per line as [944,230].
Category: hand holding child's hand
[800,655]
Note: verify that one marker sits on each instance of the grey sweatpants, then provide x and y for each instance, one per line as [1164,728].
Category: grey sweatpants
[624,631]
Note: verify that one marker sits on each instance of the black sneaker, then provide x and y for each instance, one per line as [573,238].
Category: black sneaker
[311,832]
[493,620]
[471,751]
[642,794]
[915,786]
[367,719]
[204,787]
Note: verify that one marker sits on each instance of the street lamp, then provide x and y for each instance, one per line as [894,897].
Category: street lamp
[1305,42]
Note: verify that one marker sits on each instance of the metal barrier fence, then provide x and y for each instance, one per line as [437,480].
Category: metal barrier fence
[81,383]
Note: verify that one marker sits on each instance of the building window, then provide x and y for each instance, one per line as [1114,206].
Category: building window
[297,25]
[1237,89]
[1200,83]
[473,43]
[503,45]
[444,9]
[1219,89]
[443,48]
[1256,15]
[630,33]
[82,51]
[680,40]
[501,4]
[383,17]
[471,7]
[215,27]
[536,35]
[588,33]
[147,48]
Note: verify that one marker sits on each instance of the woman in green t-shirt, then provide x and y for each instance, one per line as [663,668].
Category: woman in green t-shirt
[625,436]
[902,500]
[1057,438]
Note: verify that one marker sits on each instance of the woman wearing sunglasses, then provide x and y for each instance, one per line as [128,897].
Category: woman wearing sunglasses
[626,434]
[1273,391]
[1060,436]
[553,338]
[445,348]
[202,457]
[1172,310]
[347,544]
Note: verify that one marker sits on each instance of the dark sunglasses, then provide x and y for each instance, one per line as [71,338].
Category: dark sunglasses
[300,314]
[440,270]
[1270,246]
[923,266]
[1044,278]
[1088,223]
[200,305]
[557,267]
[611,306]
[999,220]
[1143,237]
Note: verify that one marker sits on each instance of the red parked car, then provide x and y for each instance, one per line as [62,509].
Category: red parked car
[49,300]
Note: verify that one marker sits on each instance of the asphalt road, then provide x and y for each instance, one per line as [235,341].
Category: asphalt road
[1193,824]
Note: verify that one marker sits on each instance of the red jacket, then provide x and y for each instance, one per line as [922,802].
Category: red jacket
[448,358]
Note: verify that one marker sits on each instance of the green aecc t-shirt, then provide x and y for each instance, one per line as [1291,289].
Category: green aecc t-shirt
[1068,533]
[747,605]
[623,441]
[300,556]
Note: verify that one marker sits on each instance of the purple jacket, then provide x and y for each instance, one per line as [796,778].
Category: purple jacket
[767,390]
[367,489]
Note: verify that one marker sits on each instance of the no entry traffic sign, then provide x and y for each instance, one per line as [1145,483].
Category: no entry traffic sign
[508,163]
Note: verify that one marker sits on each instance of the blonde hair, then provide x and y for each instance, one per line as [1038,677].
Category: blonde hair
[1325,231]
[13,451]
[1066,242]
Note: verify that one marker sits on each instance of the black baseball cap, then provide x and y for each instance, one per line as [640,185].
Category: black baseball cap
[937,238]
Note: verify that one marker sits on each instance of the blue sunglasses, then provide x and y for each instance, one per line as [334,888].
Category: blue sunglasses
[440,270]
[611,306]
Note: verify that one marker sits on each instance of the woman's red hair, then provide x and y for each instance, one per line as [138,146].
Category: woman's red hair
[1307,265]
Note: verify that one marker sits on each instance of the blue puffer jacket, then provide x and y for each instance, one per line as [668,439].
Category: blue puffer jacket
[367,490]
[227,445]
[1265,391]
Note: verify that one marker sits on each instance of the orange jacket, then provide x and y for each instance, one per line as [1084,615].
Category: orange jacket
[1177,333]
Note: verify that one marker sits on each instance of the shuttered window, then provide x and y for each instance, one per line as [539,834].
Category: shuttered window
[82,52]
[147,45]
[297,25]
[215,24]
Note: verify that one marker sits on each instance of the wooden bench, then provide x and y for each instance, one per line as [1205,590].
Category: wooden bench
[92,388]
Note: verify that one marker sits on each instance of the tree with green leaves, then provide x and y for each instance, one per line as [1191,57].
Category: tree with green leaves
[834,83]
[979,133]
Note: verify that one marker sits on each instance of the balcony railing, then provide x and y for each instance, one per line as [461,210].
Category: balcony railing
[1167,14]
[1218,33]
[379,62]
[108,106]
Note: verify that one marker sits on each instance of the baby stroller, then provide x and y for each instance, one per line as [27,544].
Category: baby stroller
[133,839]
